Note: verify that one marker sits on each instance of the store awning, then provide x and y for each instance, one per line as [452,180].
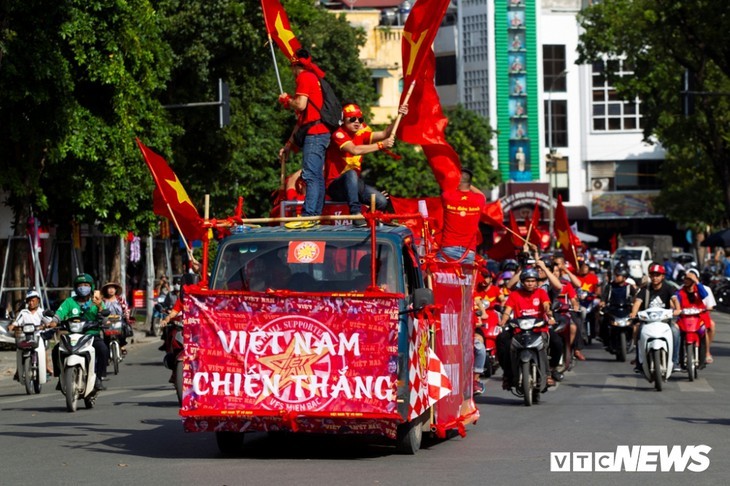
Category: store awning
[380,73]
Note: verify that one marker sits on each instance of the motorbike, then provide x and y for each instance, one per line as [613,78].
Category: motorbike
[31,353]
[487,329]
[563,322]
[655,345]
[693,344]
[77,358]
[529,358]
[173,360]
[159,312]
[113,328]
[620,331]
[589,306]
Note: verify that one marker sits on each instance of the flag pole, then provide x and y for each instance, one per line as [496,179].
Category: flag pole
[400,116]
[273,54]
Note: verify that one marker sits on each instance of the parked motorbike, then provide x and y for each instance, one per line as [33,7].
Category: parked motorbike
[30,343]
[529,358]
[159,312]
[487,329]
[77,358]
[113,328]
[655,345]
[620,331]
[173,360]
[693,344]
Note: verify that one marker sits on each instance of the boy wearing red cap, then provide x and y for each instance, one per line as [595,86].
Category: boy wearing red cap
[343,161]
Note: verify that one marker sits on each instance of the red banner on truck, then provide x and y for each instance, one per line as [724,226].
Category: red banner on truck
[270,356]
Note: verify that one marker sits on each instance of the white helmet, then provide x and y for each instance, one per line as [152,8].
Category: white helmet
[31,294]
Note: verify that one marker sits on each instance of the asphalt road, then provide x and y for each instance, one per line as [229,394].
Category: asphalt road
[134,434]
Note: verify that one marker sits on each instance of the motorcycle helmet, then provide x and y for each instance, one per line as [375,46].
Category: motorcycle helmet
[32,294]
[82,279]
[509,265]
[506,276]
[529,273]
[656,268]
[694,272]
[621,269]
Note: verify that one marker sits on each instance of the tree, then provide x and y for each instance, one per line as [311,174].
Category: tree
[662,41]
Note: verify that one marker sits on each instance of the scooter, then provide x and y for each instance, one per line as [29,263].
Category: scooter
[77,357]
[620,332]
[692,332]
[487,329]
[529,358]
[31,354]
[655,345]
[159,312]
[173,360]
[113,329]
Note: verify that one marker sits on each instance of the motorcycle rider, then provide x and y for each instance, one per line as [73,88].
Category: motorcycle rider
[691,296]
[528,300]
[657,293]
[486,296]
[617,294]
[114,301]
[32,313]
[85,304]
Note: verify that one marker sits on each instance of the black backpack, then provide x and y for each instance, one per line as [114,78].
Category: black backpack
[330,113]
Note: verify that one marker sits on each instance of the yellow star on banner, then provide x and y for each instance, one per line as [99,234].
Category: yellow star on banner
[415,47]
[288,365]
[182,196]
[563,238]
[284,34]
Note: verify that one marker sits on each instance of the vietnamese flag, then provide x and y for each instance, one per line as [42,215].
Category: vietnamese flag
[279,29]
[564,234]
[493,214]
[170,199]
[517,240]
[425,123]
[502,250]
[537,237]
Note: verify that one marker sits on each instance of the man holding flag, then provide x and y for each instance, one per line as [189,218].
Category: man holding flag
[307,103]
[462,210]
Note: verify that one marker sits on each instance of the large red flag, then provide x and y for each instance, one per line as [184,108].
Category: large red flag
[278,27]
[170,199]
[425,123]
[515,231]
[537,237]
[564,234]
[502,250]
[493,214]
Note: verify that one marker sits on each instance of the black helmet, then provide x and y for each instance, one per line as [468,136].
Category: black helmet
[510,265]
[621,269]
[84,278]
[529,273]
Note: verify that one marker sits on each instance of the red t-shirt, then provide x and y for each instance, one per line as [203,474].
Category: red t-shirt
[462,210]
[528,304]
[589,282]
[308,85]
[337,161]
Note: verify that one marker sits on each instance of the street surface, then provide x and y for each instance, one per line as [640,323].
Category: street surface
[134,435]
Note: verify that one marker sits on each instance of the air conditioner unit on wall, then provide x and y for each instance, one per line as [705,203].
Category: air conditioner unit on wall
[600,183]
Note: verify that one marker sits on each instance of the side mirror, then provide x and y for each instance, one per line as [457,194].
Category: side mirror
[49,313]
[422,297]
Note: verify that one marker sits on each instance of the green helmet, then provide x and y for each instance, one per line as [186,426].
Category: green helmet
[84,278]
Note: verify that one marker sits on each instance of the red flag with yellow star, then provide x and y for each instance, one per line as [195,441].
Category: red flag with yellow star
[170,199]
[425,123]
[278,27]
[493,214]
[564,234]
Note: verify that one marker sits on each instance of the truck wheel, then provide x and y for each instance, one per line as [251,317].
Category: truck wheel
[229,443]
[410,435]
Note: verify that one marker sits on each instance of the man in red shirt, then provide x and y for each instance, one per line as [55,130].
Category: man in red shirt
[343,160]
[307,103]
[462,211]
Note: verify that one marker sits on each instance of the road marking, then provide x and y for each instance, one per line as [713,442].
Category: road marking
[699,385]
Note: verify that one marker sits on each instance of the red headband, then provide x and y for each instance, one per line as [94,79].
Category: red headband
[307,64]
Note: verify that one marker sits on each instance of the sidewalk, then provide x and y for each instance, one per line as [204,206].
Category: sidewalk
[8,359]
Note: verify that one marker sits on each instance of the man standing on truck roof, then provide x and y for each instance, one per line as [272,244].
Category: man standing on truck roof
[462,210]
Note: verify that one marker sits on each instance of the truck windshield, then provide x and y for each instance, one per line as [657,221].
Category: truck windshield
[623,254]
[341,265]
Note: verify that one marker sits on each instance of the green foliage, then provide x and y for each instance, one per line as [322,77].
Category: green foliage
[661,40]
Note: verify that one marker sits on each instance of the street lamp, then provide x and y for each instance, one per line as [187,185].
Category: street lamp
[550,162]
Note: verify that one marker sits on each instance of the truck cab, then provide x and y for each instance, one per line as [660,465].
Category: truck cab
[332,329]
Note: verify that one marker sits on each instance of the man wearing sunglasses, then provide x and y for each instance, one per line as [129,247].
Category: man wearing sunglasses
[343,161]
